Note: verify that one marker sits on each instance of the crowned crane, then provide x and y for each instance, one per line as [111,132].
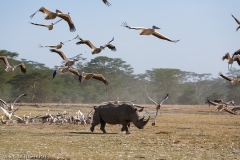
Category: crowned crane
[149,31]
[96,50]
[59,45]
[67,60]
[232,80]
[86,76]
[53,15]
[238,22]
[158,106]
[10,107]
[107,3]
[9,115]
[50,27]
[11,68]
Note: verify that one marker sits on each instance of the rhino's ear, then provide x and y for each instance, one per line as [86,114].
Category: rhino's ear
[94,107]
[135,109]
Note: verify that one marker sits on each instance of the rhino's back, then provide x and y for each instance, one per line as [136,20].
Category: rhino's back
[113,114]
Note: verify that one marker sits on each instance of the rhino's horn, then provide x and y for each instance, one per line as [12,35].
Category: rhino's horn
[146,121]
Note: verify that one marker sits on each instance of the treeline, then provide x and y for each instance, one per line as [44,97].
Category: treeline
[183,87]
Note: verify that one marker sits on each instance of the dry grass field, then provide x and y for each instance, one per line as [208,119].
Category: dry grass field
[181,132]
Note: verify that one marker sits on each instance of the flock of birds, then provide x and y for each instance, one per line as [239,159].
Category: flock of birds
[69,62]
[219,103]
[65,117]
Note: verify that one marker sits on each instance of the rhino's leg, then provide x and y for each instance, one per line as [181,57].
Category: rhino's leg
[96,121]
[125,127]
[103,124]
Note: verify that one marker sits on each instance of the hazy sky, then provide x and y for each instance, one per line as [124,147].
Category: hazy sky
[205,28]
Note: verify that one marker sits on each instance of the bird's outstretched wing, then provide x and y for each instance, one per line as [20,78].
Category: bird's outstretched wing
[57,21]
[238,22]
[237,58]
[4,110]
[100,77]
[18,98]
[236,53]
[152,100]
[226,56]
[22,67]
[60,54]
[107,3]
[43,10]
[4,59]
[213,103]
[17,117]
[68,19]
[87,42]
[2,101]
[229,111]
[225,77]
[164,99]
[110,46]
[74,71]
[37,24]
[71,39]
[158,35]
[124,24]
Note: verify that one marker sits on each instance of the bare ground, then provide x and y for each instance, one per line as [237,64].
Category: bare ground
[181,132]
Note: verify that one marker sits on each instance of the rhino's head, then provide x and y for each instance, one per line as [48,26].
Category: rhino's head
[140,122]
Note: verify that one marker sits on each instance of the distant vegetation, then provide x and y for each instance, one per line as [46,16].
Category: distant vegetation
[183,87]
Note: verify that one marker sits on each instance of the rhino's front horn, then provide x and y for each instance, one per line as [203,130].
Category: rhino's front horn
[145,121]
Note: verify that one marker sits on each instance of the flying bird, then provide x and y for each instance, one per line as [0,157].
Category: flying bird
[68,62]
[10,107]
[96,50]
[238,22]
[50,27]
[53,15]
[232,80]
[48,14]
[86,76]
[107,3]
[11,68]
[158,106]
[59,45]
[149,31]
[230,60]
